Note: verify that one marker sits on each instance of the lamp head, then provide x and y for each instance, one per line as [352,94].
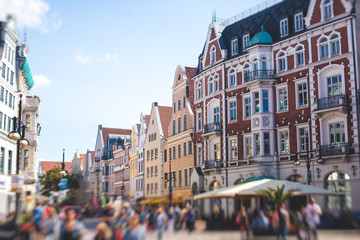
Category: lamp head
[24,142]
[296,163]
[14,135]
[320,160]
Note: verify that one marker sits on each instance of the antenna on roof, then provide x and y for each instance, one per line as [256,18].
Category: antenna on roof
[25,34]
[213,16]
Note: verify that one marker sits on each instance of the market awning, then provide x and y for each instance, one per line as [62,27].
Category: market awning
[27,74]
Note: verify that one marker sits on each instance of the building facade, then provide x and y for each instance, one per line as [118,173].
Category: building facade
[271,87]
[133,161]
[178,153]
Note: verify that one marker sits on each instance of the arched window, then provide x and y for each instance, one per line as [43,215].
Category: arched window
[246,73]
[281,62]
[299,54]
[198,91]
[327,9]
[335,45]
[210,85]
[213,55]
[232,78]
[216,83]
[324,48]
[339,182]
[263,64]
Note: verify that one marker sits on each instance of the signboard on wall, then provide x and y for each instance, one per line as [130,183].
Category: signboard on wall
[17,182]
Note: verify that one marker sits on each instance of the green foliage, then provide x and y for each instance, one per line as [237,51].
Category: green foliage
[276,196]
[51,181]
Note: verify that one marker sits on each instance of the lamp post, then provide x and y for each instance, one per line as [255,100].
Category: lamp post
[63,171]
[309,156]
[170,179]
[18,134]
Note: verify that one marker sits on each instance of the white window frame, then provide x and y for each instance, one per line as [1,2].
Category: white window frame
[230,101]
[216,83]
[280,132]
[247,154]
[234,148]
[284,27]
[210,85]
[299,20]
[248,96]
[246,68]
[234,47]
[212,54]
[298,137]
[246,41]
[232,76]
[297,94]
[332,41]
[199,128]
[321,44]
[283,59]
[198,90]
[278,98]
[330,7]
[199,155]
[299,50]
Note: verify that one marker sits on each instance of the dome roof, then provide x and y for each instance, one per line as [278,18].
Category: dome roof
[261,37]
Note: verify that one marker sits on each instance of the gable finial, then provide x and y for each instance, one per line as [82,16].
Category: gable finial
[262,28]
[213,16]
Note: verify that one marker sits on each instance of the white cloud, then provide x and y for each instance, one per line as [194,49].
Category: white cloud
[110,58]
[83,59]
[41,82]
[31,13]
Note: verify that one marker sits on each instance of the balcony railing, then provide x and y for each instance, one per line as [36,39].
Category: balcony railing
[334,149]
[213,164]
[212,127]
[258,74]
[244,162]
[330,102]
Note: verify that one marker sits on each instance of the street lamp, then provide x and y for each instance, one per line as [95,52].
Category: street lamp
[309,156]
[170,179]
[63,171]
[18,134]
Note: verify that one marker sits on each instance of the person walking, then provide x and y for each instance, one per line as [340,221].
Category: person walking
[136,230]
[71,228]
[313,213]
[171,219]
[243,221]
[190,218]
[160,222]
[281,222]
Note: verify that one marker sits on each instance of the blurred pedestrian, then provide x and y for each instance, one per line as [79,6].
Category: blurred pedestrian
[243,221]
[71,228]
[135,231]
[260,224]
[103,232]
[38,213]
[281,222]
[47,226]
[190,218]
[160,222]
[171,219]
[313,213]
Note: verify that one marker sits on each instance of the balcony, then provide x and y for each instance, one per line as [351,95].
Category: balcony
[258,75]
[334,149]
[213,164]
[212,128]
[238,163]
[334,103]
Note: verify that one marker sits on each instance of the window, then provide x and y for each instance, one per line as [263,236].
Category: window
[156,171]
[179,125]
[180,182]
[6,48]
[199,155]
[185,177]
[283,99]
[216,114]
[10,100]
[190,170]
[190,147]
[179,151]
[217,151]
[299,56]
[12,78]
[152,172]
[198,91]
[327,9]
[284,142]
[247,107]
[248,147]
[246,40]
[148,188]
[174,127]
[174,178]
[284,27]
[299,23]
[266,143]
[337,133]
[257,102]
[234,47]
[199,121]
[257,144]
[335,45]
[165,179]
[6,97]
[324,48]
[174,107]
[2,159]
[152,188]
[246,71]
[170,155]
[148,172]
[210,85]
[9,124]
[213,55]
[148,155]
[156,153]
[1,120]
[7,74]
[179,105]
[26,159]
[3,70]
[216,83]
[303,135]
[9,162]
[2,92]
[233,149]
[174,153]
[184,102]
[232,109]
[263,64]
[265,100]
[232,78]
[156,188]
[281,62]
[334,86]
[339,182]
[184,148]
[185,122]
[302,94]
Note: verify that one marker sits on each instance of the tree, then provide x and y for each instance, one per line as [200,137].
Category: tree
[276,196]
[51,181]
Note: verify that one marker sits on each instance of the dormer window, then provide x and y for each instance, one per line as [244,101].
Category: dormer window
[234,47]
[213,55]
[246,40]
[284,29]
[299,22]
[327,9]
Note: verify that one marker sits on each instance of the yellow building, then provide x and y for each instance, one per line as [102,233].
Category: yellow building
[133,162]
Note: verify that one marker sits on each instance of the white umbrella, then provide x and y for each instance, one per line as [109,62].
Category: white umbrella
[248,189]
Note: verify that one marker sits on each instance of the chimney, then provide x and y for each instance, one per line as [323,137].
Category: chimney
[100,127]
[155,104]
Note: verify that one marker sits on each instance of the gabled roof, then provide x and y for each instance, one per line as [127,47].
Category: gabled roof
[83,156]
[117,131]
[165,116]
[190,72]
[147,120]
[45,166]
[92,157]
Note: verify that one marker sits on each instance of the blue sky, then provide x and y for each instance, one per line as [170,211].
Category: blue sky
[104,62]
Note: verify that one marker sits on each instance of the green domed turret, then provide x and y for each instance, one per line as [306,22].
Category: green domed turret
[261,37]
